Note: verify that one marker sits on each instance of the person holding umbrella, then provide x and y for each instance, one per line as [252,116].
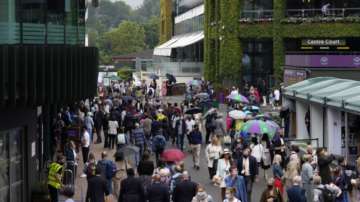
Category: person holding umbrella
[195,138]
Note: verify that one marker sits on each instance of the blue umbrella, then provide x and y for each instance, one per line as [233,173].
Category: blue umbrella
[153,76]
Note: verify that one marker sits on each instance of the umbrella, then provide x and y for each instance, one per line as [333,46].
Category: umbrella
[172,155]
[129,150]
[238,98]
[265,116]
[202,96]
[255,127]
[210,112]
[252,108]
[153,76]
[237,114]
[273,126]
[127,98]
[171,78]
[194,82]
[194,110]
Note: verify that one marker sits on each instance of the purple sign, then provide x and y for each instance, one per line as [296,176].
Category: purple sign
[292,76]
[350,61]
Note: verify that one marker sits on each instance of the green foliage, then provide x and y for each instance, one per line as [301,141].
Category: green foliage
[125,73]
[232,30]
[104,21]
[128,37]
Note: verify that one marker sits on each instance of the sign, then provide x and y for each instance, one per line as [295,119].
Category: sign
[292,76]
[326,61]
[323,42]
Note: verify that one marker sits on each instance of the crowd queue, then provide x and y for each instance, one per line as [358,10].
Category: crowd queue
[136,123]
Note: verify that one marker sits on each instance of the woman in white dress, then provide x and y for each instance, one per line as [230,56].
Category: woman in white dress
[212,152]
[223,170]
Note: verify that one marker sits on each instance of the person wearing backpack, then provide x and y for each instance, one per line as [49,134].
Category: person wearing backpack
[108,169]
[159,143]
[324,193]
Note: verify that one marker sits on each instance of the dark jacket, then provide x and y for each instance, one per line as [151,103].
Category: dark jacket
[184,191]
[324,169]
[177,125]
[131,190]
[158,192]
[97,189]
[195,137]
[296,194]
[253,167]
[145,167]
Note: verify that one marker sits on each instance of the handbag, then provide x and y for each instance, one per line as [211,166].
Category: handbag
[227,139]
[121,139]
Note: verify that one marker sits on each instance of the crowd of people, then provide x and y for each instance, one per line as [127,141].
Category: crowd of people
[133,117]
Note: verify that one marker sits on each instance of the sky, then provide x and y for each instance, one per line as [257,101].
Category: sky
[132,3]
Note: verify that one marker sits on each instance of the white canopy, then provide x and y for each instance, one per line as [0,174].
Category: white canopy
[197,11]
[178,42]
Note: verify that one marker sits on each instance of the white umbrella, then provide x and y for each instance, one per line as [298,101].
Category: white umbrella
[237,114]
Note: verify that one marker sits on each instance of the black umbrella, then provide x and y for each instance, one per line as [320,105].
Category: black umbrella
[153,76]
[171,78]
[194,110]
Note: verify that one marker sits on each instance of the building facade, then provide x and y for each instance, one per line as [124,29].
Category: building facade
[252,40]
[181,36]
[44,65]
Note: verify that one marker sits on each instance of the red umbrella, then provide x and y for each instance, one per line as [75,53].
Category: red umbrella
[172,155]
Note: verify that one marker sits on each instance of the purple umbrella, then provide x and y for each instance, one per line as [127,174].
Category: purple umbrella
[255,127]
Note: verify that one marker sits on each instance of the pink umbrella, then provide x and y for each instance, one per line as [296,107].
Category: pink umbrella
[172,155]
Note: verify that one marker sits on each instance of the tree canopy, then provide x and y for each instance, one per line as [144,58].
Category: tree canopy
[117,29]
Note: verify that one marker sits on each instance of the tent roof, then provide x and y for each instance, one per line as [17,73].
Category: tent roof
[342,93]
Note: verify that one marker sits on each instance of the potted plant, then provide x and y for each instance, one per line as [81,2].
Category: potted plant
[40,192]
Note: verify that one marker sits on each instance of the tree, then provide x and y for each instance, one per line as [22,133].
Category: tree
[128,37]
[151,28]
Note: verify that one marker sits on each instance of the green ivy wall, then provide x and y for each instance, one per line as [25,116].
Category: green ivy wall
[224,32]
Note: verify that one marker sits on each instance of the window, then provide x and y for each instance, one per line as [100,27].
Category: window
[257,60]
[191,25]
[258,9]
[12,165]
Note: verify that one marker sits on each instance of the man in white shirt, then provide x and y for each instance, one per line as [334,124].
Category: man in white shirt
[85,141]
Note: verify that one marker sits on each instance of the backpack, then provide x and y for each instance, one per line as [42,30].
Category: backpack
[327,195]
[159,143]
[90,169]
[110,170]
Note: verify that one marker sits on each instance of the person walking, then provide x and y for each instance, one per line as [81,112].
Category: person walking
[85,143]
[108,169]
[324,192]
[271,193]
[202,196]
[237,181]
[131,188]
[278,173]
[113,131]
[157,192]
[295,193]
[307,173]
[230,195]
[138,139]
[195,138]
[159,143]
[98,123]
[121,166]
[324,160]
[180,130]
[223,170]
[146,166]
[98,189]
[212,153]
[55,176]
[248,167]
[89,124]
[185,190]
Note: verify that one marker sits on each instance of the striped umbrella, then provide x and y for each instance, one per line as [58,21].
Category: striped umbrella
[255,127]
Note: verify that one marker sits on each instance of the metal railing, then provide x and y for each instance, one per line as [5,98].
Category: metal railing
[33,33]
[257,14]
[330,12]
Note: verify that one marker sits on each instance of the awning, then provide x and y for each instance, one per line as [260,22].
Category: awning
[179,41]
[329,91]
